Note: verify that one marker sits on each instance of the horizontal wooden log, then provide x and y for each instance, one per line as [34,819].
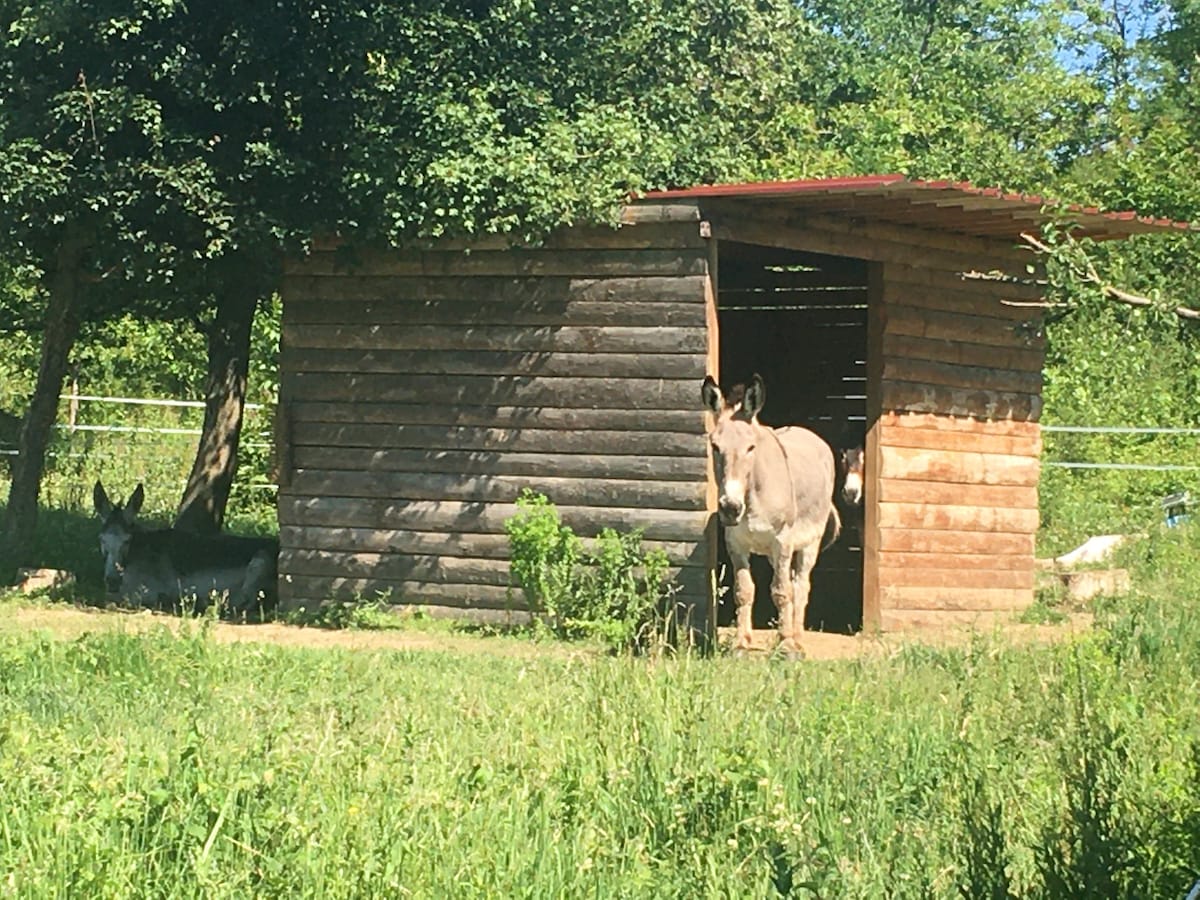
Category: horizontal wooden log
[500,488]
[493,289]
[648,210]
[964,328]
[905,540]
[982,441]
[984,562]
[826,235]
[1019,286]
[961,302]
[964,354]
[1001,254]
[401,541]
[496,363]
[960,577]
[445,570]
[573,393]
[898,620]
[975,599]
[481,518]
[925,517]
[939,422]
[523,313]
[970,378]
[982,404]
[396,567]
[314,590]
[465,544]
[935,492]
[566,339]
[468,462]
[518,440]
[903,463]
[517,262]
[504,417]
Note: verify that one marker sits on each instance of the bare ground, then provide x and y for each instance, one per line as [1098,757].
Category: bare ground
[68,622]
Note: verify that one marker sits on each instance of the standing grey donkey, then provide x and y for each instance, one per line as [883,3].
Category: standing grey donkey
[775,499]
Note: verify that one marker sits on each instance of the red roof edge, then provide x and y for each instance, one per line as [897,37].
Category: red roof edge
[852,183]
[758,188]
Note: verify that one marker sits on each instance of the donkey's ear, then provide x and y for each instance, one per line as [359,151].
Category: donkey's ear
[711,395]
[756,396]
[134,506]
[100,501]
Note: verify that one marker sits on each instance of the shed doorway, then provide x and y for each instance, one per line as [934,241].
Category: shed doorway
[800,321]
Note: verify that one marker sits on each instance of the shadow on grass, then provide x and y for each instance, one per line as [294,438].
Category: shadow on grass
[67,540]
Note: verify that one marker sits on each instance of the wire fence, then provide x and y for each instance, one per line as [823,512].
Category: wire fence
[8,445]
[154,438]
[1121,430]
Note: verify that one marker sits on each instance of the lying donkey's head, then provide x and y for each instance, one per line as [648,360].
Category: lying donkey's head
[116,532]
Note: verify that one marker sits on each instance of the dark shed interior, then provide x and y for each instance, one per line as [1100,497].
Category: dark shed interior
[800,321]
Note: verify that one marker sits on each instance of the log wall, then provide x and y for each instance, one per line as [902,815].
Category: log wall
[423,391]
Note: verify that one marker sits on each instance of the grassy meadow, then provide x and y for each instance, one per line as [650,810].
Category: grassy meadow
[168,764]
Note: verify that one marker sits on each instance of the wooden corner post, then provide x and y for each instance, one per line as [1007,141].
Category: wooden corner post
[876,320]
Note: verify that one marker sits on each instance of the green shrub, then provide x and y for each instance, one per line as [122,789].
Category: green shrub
[612,592]
[545,554]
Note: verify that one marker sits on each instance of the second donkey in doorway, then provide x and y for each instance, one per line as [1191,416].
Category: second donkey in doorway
[775,499]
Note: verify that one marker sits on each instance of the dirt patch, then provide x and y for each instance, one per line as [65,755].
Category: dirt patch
[821,646]
[70,622]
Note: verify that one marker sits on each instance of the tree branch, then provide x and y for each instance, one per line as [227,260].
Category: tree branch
[1085,270]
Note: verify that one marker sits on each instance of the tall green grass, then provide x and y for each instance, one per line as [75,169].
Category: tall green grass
[175,766]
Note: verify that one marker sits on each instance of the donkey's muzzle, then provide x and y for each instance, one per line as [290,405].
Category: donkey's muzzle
[730,511]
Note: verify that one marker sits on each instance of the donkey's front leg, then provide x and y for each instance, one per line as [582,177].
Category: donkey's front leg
[802,566]
[781,593]
[743,594]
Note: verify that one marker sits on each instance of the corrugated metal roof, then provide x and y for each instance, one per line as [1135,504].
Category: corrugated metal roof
[955,206]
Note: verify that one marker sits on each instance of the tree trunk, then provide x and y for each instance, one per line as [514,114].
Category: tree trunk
[58,338]
[202,508]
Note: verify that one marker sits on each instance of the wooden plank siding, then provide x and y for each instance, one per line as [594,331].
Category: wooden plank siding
[426,389]
[422,391]
[959,446]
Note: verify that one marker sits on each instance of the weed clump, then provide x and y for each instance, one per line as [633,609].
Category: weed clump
[612,592]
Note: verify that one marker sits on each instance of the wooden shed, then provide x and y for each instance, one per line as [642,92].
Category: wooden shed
[421,391]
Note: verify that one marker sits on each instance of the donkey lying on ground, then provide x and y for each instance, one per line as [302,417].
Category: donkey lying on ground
[775,499]
[168,568]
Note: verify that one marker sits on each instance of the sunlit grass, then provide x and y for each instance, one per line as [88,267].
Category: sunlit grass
[171,764]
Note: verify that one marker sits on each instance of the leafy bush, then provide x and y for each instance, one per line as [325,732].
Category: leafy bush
[612,592]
